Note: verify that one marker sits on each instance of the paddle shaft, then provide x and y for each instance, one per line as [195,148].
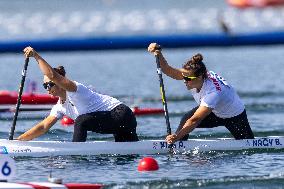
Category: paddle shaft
[24,73]
[162,90]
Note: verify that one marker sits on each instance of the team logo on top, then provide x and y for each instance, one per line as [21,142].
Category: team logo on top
[217,80]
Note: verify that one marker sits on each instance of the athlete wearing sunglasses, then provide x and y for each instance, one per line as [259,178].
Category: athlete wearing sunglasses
[218,103]
[91,111]
[188,78]
[48,85]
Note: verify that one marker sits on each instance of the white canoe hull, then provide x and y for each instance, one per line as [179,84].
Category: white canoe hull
[55,148]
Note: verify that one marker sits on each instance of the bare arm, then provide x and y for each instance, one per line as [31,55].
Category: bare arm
[166,68]
[39,129]
[47,70]
[190,124]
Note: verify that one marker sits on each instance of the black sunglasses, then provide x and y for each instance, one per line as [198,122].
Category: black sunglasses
[48,85]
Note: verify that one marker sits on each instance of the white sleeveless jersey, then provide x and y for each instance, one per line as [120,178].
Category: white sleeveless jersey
[83,101]
[218,95]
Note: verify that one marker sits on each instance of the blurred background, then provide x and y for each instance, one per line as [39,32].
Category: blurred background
[29,19]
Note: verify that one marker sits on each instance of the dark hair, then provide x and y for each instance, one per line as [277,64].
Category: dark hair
[196,65]
[60,70]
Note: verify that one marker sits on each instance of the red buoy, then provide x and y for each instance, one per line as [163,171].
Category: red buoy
[148,164]
[66,121]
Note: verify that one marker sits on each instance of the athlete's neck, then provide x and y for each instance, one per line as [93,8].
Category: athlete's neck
[62,97]
[199,86]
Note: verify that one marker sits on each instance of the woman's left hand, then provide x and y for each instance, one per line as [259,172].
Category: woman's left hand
[171,138]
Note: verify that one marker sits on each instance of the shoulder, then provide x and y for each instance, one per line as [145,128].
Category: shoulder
[80,87]
[77,83]
[82,92]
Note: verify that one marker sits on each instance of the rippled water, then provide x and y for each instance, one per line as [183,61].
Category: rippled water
[255,72]
[131,76]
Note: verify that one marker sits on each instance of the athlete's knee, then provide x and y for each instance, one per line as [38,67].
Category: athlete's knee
[80,132]
[241,132]
[246,133]
[80,120]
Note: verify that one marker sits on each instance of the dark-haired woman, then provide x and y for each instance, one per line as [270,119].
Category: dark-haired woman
[218,103]
[92,111]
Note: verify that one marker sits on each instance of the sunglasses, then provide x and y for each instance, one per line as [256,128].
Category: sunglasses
[48,85]
[188,78]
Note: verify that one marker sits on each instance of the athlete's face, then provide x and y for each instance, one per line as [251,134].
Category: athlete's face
[191,81]
[51,87]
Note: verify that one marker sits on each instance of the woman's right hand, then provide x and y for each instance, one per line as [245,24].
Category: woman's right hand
[154,48]
[170,139]
[30,52]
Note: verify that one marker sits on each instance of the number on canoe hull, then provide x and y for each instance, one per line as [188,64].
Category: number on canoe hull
[7,167]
